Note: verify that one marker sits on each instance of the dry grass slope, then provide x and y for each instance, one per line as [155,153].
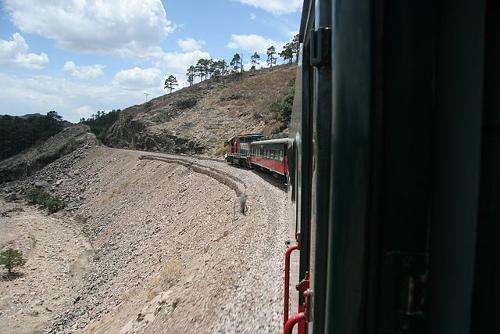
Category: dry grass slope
[200,118]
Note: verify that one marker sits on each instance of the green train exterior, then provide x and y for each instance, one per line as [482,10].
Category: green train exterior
[395,177]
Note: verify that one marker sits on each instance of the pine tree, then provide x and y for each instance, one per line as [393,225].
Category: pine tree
[296,47]
[210,68]
[171,83]
[224,67]
[287,53]
[271,56]
[236,63]
[218,68]
[255,60]
[191,73]
[202,68]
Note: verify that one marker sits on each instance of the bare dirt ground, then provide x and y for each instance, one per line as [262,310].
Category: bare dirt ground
[149,244]
[57,254]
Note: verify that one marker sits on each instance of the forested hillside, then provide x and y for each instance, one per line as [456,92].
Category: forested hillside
[20,133]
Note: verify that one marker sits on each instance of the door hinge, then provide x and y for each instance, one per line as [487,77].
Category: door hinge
[321,43]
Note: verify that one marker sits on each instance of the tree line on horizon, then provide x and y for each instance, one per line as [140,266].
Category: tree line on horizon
[101,121]
[214,69]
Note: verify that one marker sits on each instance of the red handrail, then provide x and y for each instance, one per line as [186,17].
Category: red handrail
[293,321]
[286,298]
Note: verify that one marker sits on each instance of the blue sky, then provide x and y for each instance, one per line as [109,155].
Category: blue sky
[80,56]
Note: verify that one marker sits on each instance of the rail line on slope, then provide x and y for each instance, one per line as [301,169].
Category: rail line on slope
[231,181]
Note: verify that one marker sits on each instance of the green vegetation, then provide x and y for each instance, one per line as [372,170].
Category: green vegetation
[38,195]
[186,103]
[11,258]
[236,63]
[291,50]
[282,108]
[20,133]
[271,56]
[255,58]
[171,83]
[99,123]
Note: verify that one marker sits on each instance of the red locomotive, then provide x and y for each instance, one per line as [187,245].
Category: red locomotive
[252,151]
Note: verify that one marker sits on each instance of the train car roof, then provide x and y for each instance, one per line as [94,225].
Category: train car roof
[246,135]
[274,141]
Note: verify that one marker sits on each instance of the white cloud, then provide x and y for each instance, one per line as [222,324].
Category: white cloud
[85,110]
[132,30]
[190,44]
[9,49]
[253,16]
[138,79]
[178,62]
[275,6]
[72,100]
[32,60]
[15,52]
[253,43]
[83,72]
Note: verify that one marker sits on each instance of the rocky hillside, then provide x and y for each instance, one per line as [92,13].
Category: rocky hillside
[147,243]
[38,156]
[200,118]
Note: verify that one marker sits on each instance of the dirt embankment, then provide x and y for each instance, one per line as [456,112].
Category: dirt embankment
[166,251]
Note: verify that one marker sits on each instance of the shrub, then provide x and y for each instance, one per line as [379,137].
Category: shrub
[186,103]
[39,196]
[54,204]
[282,108]
[11,258]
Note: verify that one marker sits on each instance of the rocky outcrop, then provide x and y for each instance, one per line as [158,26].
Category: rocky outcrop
[128,132]
[37,157]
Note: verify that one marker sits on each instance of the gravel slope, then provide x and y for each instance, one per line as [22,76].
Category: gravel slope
[56,256]
[170,254]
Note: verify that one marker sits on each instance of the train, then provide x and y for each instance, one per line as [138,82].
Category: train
[256,152]
[394,168]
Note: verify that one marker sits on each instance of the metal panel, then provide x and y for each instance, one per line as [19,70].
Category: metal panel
[487,267]
[458,128]
[349,181]
[321,125]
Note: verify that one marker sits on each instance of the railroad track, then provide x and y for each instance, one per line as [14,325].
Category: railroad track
[231,181]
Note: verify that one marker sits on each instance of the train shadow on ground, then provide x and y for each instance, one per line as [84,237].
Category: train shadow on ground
[277,182]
